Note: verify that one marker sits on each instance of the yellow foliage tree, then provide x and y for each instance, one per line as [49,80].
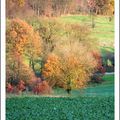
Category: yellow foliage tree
[71,67]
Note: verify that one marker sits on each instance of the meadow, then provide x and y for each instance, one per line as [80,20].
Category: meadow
[103,31]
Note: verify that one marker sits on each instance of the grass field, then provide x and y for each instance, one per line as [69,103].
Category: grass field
[95,102]
[103,31]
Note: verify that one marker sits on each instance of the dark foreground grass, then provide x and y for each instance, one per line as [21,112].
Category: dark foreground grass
[62,108]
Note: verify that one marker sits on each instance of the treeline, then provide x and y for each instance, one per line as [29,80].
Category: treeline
[58,7]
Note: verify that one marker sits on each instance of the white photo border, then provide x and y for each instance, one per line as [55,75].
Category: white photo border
[3,60]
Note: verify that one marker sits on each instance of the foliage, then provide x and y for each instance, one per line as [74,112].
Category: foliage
[16,89]
[42,88]
[69,66]
[33,50]
[49,30]
[67,63]
[76,68]
[9,88]
[17,35]
[51,70]
[18,8]
[18,40]
[100,70]
[16,70]
[52,7]
[21,86]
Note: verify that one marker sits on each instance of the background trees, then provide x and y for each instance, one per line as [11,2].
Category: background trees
[50,8]
[18,8]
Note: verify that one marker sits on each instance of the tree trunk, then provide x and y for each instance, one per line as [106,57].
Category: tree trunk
[110,19]
[92,19]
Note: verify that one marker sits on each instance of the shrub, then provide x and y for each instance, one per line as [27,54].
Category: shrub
[100,70]
[51,69]
[21,86]
[9,88]
[42,88]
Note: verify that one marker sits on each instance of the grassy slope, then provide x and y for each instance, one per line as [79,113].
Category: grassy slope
[103,31]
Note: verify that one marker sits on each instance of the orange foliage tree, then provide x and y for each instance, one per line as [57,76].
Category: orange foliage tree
[42,88]
[19,35]
[51,69]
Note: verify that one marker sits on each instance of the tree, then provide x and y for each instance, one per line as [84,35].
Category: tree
[74,63]
[40,6]
[72,69]
[18,8]
[51,69]
[18,36]
[52,7]
[110,9]
[33,49]
[76,68]
[92,5]
[17,70]
[42,88]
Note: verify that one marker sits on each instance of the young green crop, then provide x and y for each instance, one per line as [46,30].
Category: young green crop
[64,108]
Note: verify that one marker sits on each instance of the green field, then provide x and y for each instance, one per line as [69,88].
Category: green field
[46,108]
[95,101]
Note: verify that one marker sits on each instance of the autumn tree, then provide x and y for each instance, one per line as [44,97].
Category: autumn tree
[42,88]
[17,70]
[110,9]
[51,69]
[18,8]
[40,6]
[33,49]
[19,42]
[77,67]
[50,32]
[72,70]
[100,68]
[92,7]
[74,63]
[52,7]
[63,7]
